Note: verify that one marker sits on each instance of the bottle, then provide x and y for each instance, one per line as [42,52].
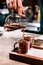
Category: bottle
[38,18]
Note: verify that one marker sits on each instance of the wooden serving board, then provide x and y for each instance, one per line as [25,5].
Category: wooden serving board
[38,44]
[33,57]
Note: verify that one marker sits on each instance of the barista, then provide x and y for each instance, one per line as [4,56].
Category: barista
[15,4]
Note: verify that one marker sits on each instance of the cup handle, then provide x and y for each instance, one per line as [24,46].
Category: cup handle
[15,45]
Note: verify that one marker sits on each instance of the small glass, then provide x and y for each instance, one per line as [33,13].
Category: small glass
[30,40]
[23,46]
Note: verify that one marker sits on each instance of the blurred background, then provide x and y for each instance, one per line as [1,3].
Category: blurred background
[31,16]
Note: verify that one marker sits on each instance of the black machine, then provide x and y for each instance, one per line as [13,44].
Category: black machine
[3,10]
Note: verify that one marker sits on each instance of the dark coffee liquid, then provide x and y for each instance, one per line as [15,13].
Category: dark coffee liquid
[23,45]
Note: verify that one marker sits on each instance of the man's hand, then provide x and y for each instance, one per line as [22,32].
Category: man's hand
[12,4]
[20,7]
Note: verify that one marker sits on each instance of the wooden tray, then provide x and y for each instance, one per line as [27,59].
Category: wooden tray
[13,27]
[38,44]
[26,58]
